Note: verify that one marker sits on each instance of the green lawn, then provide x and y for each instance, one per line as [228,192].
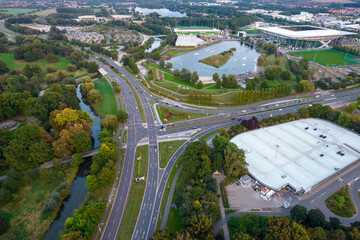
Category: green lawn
[45,12]
[181,115]
[220,59]
[108,103]
[160,68]
[174,53]
[166,150]
[135,196]
[327,57]
[11,63]
[340,203]
[15,11]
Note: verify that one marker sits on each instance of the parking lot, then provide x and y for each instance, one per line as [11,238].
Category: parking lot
[245,198]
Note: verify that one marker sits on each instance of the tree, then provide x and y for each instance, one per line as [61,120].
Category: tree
[194,77]
[71,67]
[4,225]
[278,228]
[285,75]
[122,116]
[351,107]
[168,65]
[162,235]
[200,85]
[80,142]
[162,63]
[200,227]
[354,234]
[92,67]
[299,213]
[5,196]
[94,96]
[316,218]
[337,234]
[234,161]
[157,55]
[307,86]
[110,122]
[243,236]
[92,183]
[76,235]
[3,68]
[51,58]
[261,60]
[298,232]
[344,120]
[106,176]
[264,84]
[317,233]
[31,70]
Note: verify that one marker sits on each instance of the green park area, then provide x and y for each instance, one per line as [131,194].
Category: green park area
[173,115]
[166,150]
[45,12]
[340,203]
[11,63]
[220,59]
[136,193]
[15,11]
[108,103]
[327,57]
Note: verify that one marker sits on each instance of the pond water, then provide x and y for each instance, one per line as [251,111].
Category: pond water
[164,12]
[78,190]
[96,127]
[156,44]
[243,60]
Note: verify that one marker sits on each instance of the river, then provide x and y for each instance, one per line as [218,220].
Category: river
[164,12]
[243,60]
[156,44]
[78,190]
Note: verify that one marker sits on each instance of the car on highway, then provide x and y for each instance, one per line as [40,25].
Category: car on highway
[243,111]
[332,95]
[276,105]
[194,127]
[155,149]
[317,96]
[280,109]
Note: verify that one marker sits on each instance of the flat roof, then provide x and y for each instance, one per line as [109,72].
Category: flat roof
[313,32]
[287,154]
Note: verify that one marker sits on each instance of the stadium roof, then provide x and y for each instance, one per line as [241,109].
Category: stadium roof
[288,154]
[314,32]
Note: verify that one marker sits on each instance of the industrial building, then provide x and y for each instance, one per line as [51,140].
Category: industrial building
[298,154]
[188,41]
[304,36]
[196,30]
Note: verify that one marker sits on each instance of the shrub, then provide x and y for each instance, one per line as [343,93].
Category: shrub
[62,186]
[51,203]
[5,196]
[4,225]
[44,209]
[11,184]
[71,68]
[56,196]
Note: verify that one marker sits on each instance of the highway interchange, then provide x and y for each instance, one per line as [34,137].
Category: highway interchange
[156,178]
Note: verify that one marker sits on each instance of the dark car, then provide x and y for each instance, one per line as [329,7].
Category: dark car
[239,119]
[324,137]
[321,136]
[194,127]
[342,154]
[339,152]
[321,155]
[306,128]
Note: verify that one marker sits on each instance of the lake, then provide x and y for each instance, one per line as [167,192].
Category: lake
[243,60]
[164,12]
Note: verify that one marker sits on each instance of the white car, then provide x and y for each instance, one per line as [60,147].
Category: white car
[276,105]
[317,96]
[243,111]
[280,109]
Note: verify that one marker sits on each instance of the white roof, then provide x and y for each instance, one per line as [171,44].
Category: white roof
[321,32]
[296,161]
[87,16]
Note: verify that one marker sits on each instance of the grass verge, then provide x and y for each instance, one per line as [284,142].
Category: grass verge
[173,115]
[108,103]
[224,195]
[166,150]
[135,195]
[340,203]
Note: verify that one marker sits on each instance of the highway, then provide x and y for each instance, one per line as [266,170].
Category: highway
[156,179]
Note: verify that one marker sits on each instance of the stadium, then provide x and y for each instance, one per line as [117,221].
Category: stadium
[304,36]
[298,154]
[196,30]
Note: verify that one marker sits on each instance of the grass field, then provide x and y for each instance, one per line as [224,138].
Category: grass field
[15,11]
[166,150]
[45,12]
[11,63]
[135,196]
[108,103]
[327,57]
[174,53]
[160,68]
[218,60]
[340,203]
[188,116]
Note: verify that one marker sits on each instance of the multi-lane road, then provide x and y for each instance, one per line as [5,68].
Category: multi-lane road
[156,178]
